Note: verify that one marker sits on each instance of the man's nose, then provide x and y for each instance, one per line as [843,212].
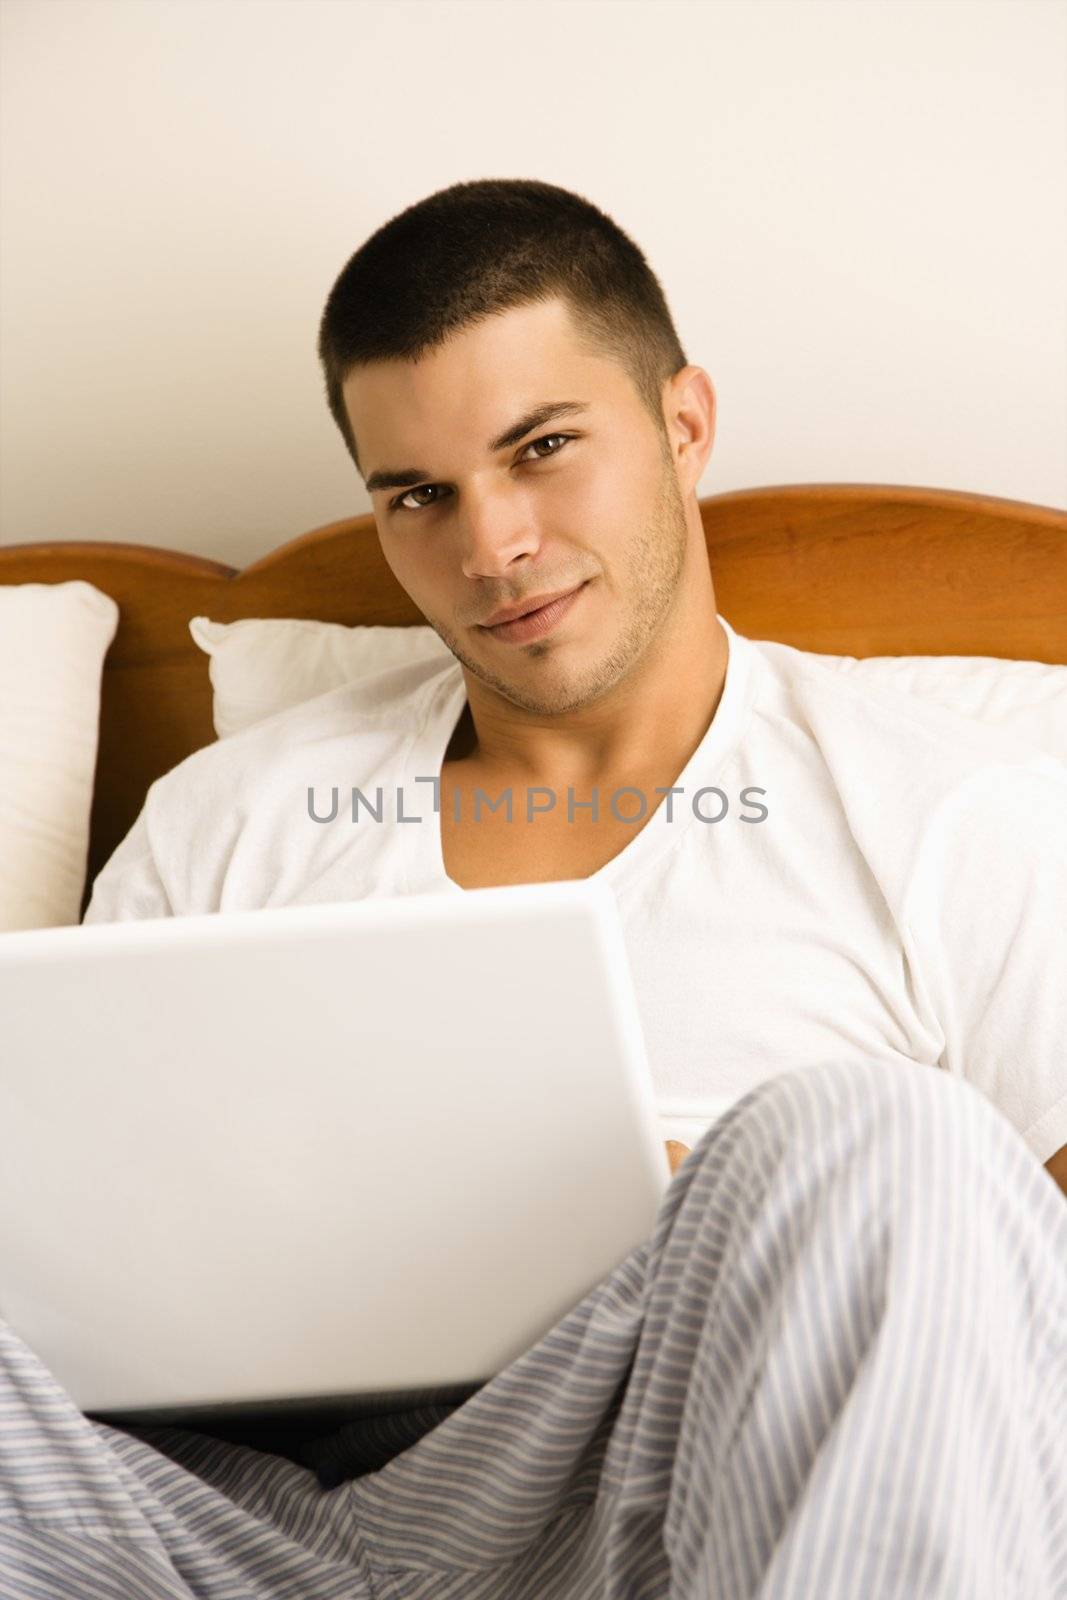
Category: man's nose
[495,529]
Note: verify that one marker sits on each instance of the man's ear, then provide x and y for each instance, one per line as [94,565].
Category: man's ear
[690,413]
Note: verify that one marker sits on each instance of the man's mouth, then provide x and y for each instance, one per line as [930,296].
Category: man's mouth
[532,618]
[522,608]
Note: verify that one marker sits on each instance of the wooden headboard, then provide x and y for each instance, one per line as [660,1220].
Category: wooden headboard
[848,569]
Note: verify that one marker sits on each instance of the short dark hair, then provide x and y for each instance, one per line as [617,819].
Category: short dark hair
[481,247]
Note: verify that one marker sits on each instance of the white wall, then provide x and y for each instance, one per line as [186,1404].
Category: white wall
[858,210]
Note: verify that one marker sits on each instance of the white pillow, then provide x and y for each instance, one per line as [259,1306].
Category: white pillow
[53,640]
[259,667]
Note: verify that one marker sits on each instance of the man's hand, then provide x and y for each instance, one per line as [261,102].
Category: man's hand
[676,1154]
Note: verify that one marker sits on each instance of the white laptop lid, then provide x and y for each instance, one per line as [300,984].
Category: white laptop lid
[310,1151]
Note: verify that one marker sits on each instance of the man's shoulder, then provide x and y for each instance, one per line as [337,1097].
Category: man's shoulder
[892,735]
[366,720]
[913,781]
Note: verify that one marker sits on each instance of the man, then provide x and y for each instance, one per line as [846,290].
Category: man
[839,1365]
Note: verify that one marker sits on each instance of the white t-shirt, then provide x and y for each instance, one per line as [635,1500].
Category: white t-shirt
[904,898]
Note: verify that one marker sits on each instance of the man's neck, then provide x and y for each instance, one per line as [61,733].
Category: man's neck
[651,726]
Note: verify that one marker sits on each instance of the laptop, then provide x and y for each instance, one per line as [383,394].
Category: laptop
[350,1154]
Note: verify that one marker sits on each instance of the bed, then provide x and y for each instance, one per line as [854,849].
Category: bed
[847,569]
[841,569]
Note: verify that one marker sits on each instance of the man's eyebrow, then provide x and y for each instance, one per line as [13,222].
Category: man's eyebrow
[408,477]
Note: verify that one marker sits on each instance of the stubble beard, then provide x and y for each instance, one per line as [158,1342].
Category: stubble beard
[654,572]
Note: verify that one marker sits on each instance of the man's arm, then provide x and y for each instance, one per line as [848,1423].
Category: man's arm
[1057,1165]
[128,885]
[985,914]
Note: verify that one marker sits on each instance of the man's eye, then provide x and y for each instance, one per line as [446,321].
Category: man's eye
[424,488]
[435,488]
[547,439]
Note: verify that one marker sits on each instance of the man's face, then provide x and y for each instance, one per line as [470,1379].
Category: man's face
[586,498]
